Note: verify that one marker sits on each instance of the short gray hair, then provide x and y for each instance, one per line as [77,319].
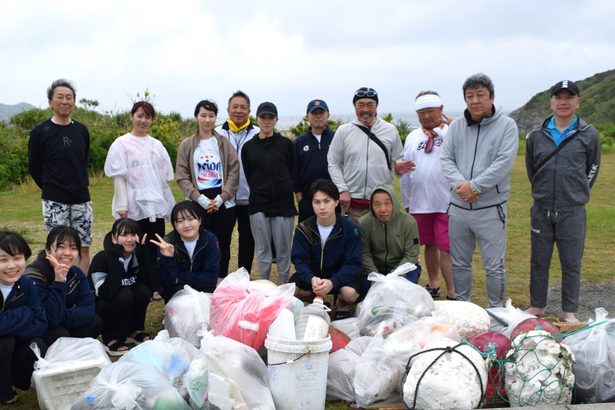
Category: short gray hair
[478,80]
[60,83]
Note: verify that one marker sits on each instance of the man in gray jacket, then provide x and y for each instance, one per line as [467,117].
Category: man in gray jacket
[477,156]
[562,158]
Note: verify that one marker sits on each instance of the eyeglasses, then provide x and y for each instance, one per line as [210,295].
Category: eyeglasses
[366,93]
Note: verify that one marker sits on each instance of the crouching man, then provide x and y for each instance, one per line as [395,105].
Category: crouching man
[389,236]
[326,249]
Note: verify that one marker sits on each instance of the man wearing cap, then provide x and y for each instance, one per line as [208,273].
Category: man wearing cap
[478,153]
[562,158]
[267,161]
[239,130]
[425,192]
[363,153]
[311,150]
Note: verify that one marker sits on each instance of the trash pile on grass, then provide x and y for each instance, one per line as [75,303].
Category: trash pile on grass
[253,345]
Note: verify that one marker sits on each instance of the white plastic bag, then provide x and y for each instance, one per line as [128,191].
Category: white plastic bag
[414,336]
[197,384]
[594,353]
[186,315]
[378,374]
[510,315]
[128,386]
[392,302]
[172,357]
[238,377]
[341,368]
[69,366]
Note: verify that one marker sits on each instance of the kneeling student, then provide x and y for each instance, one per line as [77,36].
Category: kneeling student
[189,255]
[326,249]
[22,318]
[124,280]
[63,287]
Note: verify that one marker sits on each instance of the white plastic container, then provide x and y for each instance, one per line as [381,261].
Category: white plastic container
[313,322]
[298,372]
[283,327]
[58,387]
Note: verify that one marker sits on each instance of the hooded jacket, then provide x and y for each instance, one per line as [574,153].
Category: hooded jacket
[339,260]
[562,177]
[199,272]
[184,167]
[70,303]
[482,153]
[22,313]
[388,245]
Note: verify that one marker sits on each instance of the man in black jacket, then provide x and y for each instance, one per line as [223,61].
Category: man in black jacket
[562,159]
[58,154]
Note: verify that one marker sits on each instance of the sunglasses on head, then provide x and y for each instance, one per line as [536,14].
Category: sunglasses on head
[368,93]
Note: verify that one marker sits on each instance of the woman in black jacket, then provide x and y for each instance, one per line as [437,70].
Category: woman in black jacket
[123,280]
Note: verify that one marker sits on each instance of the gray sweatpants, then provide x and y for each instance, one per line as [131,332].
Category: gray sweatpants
[567,230]
[264,230]
[487,227]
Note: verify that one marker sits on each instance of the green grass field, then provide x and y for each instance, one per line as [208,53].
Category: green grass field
[21,210]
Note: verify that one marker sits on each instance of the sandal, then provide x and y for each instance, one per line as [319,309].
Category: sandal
[138,337]
[434,292]
[116,348]
[12,400]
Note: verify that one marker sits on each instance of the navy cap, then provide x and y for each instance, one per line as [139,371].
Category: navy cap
[565,85]
[267,108]
[316,104]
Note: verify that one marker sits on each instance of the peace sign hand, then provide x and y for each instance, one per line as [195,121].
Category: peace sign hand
[59,269]
[166,249]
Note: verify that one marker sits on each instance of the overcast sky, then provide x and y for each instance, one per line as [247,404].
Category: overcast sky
[290,52]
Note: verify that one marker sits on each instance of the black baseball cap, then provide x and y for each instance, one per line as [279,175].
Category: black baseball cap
[316,104]
[267,108]
[565,85]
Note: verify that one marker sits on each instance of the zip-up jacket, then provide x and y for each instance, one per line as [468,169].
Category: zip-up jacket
[482,153]
[356,163]
[186,176]
[70,303]
[310,161]
[108,275]
[22,313]
[339,260]
[562,177]
[238,140]
[199,272]
[388,245]
[268,165]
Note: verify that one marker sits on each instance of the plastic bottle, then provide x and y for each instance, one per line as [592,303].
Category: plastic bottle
[313,322]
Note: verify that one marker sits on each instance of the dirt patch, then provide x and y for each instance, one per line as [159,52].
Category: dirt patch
[593,295]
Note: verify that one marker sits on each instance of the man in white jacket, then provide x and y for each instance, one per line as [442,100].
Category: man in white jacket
[425,192]
[363,153]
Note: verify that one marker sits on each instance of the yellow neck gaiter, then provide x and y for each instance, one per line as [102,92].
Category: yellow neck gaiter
[234,128]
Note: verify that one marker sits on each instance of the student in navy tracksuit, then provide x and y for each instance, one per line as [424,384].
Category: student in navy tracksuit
[189,255]
[124,280]
[326,250]
[63,287]
[22,318]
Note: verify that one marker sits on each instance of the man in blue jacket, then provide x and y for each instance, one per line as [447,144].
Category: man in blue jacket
[311,150]
[326,249]
[562,158]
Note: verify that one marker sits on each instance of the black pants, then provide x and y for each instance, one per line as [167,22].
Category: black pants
[17,363]
[220,224]
[92,329]
[246,240]
[125,313]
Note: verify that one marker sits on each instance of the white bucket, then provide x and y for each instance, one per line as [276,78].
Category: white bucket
[298,372]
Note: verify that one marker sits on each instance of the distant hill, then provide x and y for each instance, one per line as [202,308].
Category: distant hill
[597,103]
[7,111]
